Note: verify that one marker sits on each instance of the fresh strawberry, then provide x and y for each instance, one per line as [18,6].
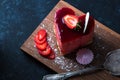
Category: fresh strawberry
[52,55]
[71,21]
[42,46]
[42,34]
[45,52]
[39,41]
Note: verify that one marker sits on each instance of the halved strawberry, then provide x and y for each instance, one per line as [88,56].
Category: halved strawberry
[39,41]
[71,21]
[42,46]
[42,34]
[45,52]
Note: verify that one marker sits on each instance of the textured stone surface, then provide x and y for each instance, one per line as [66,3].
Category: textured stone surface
[19,18]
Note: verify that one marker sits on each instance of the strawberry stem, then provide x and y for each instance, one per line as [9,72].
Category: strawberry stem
[78,27]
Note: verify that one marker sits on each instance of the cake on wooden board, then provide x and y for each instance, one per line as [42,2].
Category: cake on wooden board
[103,43]
[68,40]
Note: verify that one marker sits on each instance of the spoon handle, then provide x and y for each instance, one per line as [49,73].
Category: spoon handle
[66,75]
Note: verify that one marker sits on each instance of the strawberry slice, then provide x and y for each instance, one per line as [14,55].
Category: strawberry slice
[45,52]
[52,55]
[42,34]
[39,41]
[71,21]
[42,46]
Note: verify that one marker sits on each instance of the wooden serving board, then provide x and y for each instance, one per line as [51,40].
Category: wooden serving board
[104,41]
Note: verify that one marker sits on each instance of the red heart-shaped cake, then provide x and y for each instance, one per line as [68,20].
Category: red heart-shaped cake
[69,39]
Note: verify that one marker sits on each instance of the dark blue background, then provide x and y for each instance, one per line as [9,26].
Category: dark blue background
[19,18]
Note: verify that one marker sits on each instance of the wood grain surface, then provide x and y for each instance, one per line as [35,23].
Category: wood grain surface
[104,41]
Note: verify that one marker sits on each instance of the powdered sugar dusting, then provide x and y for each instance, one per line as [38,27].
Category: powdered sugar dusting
[43,25]
[67,65]
[103,47]
[34,46]
[56,51]
[60,60]
[97,26]
[99,38]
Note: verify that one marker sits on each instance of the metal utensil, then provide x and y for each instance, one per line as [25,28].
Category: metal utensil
[112,64]
[63,76]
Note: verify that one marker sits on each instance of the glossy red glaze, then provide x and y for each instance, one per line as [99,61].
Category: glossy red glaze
[69,40]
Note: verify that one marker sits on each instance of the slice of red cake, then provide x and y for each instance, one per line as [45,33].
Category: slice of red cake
[68,39]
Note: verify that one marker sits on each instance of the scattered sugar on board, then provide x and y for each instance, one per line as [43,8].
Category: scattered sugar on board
[51,42]
[43,25]
[99,38]
[103,47]
[50,37]
[64,64]
[29,45]
[56,51]
[61,61]
[34,46]
[97,26]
